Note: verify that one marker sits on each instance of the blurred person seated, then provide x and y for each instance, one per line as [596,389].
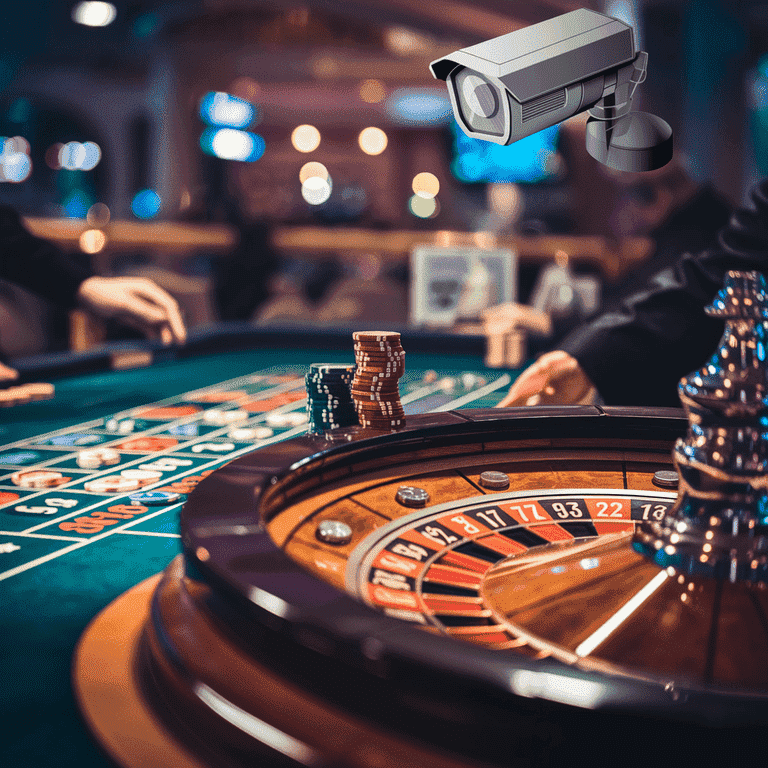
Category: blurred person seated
[636,353]
[40,267]
[242,279]
[671,208]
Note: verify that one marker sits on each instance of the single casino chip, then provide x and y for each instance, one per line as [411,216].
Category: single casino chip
[220,418]
[93,458]
[112,484]
[277,419]
[376,336]
[296,418]
[144,476]
[212,415]
[154,498]
[378,348]
[330,369]
[379,353]
[250,433]
[108,456]
[120,426]
[39,478]
[88,460]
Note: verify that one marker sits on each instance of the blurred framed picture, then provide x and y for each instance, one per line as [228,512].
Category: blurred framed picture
[450,284]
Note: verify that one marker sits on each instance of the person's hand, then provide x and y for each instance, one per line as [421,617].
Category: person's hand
[23,393]
[136,301]
[7,374]
[554,379]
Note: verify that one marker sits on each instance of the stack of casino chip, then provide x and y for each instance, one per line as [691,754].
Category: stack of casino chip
[380,363]
[329,399]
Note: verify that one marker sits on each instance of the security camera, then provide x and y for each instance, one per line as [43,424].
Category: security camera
[517,84]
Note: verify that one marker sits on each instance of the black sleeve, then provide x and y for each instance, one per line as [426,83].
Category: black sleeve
[636,354]
[36,264]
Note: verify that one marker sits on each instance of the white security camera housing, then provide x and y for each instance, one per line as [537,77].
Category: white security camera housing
[517,84]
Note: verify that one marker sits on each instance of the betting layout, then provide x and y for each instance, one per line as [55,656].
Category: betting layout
[65,489]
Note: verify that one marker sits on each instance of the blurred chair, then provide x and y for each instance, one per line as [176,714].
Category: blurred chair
[367,297]
[286,305]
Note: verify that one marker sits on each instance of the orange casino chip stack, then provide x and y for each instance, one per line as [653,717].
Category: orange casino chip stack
[380,363]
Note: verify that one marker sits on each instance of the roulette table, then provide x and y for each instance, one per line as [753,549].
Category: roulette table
[348,622]
[54,579]
[384,598]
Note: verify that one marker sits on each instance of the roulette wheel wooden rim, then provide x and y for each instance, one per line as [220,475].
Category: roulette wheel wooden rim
[311,616]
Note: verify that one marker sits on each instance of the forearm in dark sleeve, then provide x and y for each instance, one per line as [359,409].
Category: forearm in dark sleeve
[636,355]
[36,264]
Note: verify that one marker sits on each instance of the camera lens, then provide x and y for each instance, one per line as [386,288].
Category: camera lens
[479,96]
[480,109]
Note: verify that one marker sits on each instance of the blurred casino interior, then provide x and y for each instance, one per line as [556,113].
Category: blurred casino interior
[293,163]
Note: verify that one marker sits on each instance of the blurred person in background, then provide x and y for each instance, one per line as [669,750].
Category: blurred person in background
[635,353]
[672,209]
[39,266]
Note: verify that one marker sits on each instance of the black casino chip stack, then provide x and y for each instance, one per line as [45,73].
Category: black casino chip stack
[329,399]
[380,364]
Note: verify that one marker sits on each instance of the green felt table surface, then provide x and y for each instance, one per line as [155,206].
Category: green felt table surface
[44,610]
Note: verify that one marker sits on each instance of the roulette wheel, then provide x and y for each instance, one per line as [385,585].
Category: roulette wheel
[479,588]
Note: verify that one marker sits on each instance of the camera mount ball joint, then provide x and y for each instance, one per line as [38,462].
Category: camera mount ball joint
[625,140]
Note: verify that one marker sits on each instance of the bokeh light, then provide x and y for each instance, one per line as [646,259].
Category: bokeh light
[15,163]
[423,207]
[373,141]
[308,170]
[16,166]
[305,138]
[18,144]
[76,204]
[316,190]
[52,155]
[98,215]
[223,109]
[372,91]
[419,106]
[76,156]
[246,88]
[92,241]
[407,42]
[426,185]
[231,144]
[146,204]
[94,14]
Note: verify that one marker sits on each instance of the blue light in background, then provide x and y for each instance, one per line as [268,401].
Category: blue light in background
[762,66]
[418,106]
[528,160]
[146,204]
[76,204]
[225,110]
